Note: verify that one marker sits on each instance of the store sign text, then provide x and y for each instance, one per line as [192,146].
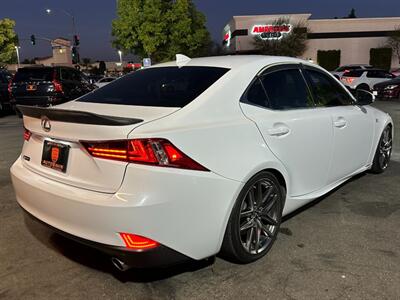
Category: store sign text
[271,32]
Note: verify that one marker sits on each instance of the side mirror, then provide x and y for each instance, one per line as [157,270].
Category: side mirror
[364,97]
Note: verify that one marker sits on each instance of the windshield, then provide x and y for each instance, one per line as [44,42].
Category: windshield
[163,86]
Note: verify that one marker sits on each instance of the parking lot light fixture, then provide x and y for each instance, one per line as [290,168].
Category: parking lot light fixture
[120,56]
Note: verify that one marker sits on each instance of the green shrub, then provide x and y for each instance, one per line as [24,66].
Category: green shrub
[328,59]
[381,58]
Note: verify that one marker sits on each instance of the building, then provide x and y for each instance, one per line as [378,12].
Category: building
[353,37]
[62,54]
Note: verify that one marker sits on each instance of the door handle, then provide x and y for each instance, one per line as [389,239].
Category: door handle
[278,131]
[340,123]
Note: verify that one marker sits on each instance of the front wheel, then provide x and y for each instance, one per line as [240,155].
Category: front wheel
[255,219]
[383,151]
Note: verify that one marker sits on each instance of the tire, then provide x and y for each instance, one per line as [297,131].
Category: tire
[255,219]
[364,87]
[383,151]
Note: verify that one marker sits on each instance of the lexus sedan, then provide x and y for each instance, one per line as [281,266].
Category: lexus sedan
[190,158]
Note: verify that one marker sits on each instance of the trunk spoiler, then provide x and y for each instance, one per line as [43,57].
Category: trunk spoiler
[75,116]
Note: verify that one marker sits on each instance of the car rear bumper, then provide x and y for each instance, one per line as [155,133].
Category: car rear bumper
[157,257]
[185,211]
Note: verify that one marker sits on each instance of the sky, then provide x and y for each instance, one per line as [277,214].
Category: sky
[93,18]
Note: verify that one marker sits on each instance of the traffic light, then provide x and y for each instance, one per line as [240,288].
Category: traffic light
[33,40]
[76,40]
[75,55]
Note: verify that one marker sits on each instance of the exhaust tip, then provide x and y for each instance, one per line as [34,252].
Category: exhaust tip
[119,264]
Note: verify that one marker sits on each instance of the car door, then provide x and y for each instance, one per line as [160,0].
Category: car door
[352,125]
[280,103]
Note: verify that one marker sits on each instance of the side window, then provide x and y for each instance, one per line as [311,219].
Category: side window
[327,92]
[77,76]
[66,74]
[256,94]
[286,89]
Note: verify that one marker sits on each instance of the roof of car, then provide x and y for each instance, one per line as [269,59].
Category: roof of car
[233,61]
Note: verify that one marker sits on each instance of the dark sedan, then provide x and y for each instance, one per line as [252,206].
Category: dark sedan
[388,89]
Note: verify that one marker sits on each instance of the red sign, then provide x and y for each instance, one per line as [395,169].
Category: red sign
[271,31]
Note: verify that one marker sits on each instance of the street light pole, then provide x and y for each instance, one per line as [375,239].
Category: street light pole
[48,11]
[17,50]
[120,56]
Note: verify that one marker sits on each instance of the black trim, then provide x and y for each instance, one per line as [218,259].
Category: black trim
[327,35]
[161,256]
[74,116]
[344,35]
[239,32]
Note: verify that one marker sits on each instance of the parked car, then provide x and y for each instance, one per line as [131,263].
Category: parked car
[47,86]
[388,89]
[185,159]
[5,78]
[396,72]
[338,73]
[104,81]
[365,79]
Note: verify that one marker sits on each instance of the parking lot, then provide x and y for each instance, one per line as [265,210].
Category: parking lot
[345,245]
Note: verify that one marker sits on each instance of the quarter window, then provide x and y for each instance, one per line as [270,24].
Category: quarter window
[256,94]
[327,92]
[286,89]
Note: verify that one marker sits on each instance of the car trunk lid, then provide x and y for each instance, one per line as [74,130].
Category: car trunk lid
[69,124]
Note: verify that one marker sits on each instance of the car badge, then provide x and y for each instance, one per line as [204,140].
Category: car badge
[45,122]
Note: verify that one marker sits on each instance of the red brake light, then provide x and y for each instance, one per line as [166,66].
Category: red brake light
[10,87]
[158,152]
[27,134]
[133,241]
[57,86]
[349,80]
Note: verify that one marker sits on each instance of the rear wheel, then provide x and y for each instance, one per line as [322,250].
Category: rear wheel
[255,219]
[383,151]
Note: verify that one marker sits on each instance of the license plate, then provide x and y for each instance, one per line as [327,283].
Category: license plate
[31,87]
[55,156]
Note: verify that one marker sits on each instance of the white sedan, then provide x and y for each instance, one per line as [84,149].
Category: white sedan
[189,158]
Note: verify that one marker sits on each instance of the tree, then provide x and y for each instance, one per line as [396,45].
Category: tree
[352,14]
[160,28]
[8,41]
[394,43]
[292,44]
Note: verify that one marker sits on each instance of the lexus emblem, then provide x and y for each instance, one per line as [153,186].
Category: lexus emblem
[45,122]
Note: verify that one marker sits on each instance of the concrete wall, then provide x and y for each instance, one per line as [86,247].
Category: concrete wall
[353,50]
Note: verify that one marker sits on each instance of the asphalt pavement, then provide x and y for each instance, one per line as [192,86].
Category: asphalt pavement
[345,245]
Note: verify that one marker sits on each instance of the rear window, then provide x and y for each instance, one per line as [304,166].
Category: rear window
[164,86]
[356,73]
[34,74]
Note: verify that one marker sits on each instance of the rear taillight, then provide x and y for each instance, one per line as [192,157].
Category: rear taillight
[158,152]
[349,80]
[27,134]
[10,87]
[137,242]
[57,86]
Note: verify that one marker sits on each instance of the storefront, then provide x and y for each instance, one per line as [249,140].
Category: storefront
[354,38]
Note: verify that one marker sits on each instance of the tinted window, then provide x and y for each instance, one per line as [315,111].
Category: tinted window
[286,89]
[34,74]
[256,94]
[379,74]
[327,92]
[67,74]
[164,86]
[357,73]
